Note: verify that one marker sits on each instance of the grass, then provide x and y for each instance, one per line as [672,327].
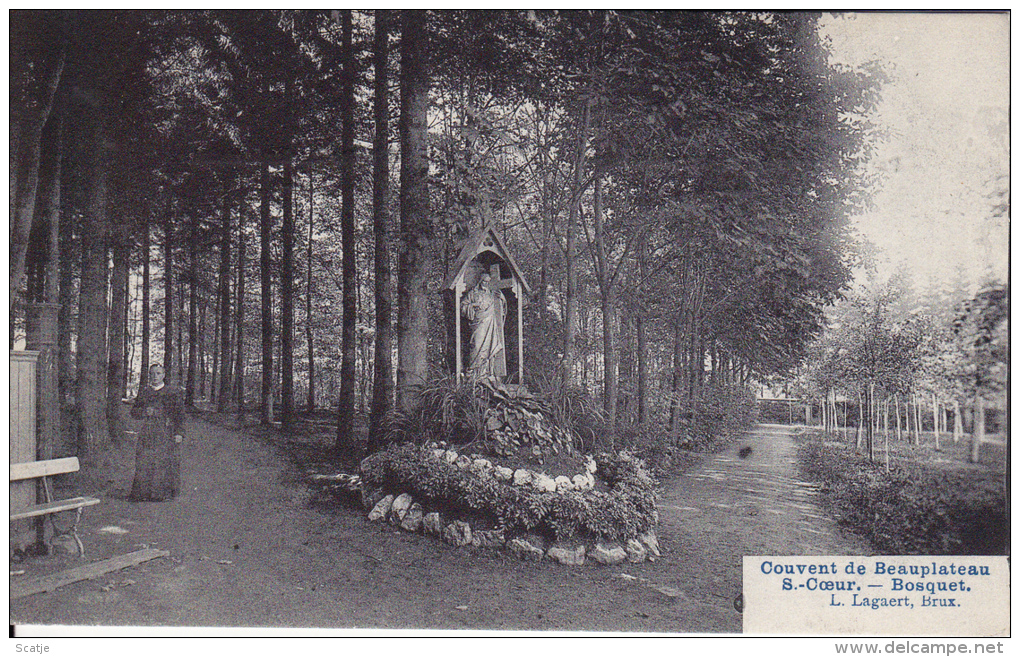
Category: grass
[926,502]
[950,456]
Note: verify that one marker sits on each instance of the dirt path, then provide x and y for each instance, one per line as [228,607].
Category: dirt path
[729,506]
[247,549]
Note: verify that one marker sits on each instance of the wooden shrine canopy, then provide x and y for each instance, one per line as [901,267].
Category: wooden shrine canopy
[485,251]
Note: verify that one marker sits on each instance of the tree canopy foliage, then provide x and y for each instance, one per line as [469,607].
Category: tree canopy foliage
[678,183]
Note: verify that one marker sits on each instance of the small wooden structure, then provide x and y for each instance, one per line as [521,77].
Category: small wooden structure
[484,251]
[23,422]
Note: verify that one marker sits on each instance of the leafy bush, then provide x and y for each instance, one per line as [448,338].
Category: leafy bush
[718,415]
[627,510]
[572,406]
[516,418]
[497,419]
[623,469]
[915,510]
[655,445]
[447,411]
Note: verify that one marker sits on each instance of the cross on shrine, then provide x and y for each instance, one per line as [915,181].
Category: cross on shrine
[504,283]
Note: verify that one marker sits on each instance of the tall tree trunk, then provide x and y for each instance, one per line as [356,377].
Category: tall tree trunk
[642,373]
[823,412]
[308,298]
[239,314]
[169,364]
[143,374]
[885,435]
[547,233]
[189,392]
[957,422]
[38,54]
[909,414]
[94,439]
[917,420]
[179,333]
[203,347]
[365,368]
[835,413]
[577,177]
[885,418]
[833,416]
[610,389]
[871,423]
[913,420]
[42,323]
[67,445]
[382,377]
[133,332]
[266,277]
[223,316]
[692,358]
[586,365]
[625,410]
[417,233]
[674,398]
[860,420]
[214,377]
[977,436]
[287,294]
[610,363]
[899,428]
[345,439]
[935,420]
[118,319]
[642,341]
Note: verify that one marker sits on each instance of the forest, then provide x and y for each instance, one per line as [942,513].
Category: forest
[267,202]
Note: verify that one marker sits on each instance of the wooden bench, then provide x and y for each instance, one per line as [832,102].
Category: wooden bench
[42,470]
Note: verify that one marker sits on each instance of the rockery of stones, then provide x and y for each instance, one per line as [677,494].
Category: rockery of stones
[605,513]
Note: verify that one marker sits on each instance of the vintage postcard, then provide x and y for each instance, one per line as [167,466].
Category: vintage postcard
[511,323]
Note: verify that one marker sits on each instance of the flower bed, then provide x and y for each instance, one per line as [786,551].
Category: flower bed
[538,495]
[523,500]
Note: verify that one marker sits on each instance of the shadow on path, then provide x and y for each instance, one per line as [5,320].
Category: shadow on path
[728,507]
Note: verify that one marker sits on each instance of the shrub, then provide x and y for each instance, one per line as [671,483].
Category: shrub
[573,407]
[908,510]
[625,511]
[517,418]
[623,469]
[497,419]
[447,411]
[655,445]
[718,415]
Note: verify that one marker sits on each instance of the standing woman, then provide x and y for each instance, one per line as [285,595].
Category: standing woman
[158,452]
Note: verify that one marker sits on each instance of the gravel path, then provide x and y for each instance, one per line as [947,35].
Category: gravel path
[247,549]
[730,506]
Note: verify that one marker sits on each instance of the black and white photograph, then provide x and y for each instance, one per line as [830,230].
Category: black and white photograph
[511,323]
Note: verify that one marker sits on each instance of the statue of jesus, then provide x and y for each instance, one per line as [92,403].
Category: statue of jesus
[485,306]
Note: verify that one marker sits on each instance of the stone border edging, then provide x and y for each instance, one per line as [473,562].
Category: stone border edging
[402,511]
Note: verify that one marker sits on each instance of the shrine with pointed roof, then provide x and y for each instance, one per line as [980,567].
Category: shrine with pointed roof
[485,252]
